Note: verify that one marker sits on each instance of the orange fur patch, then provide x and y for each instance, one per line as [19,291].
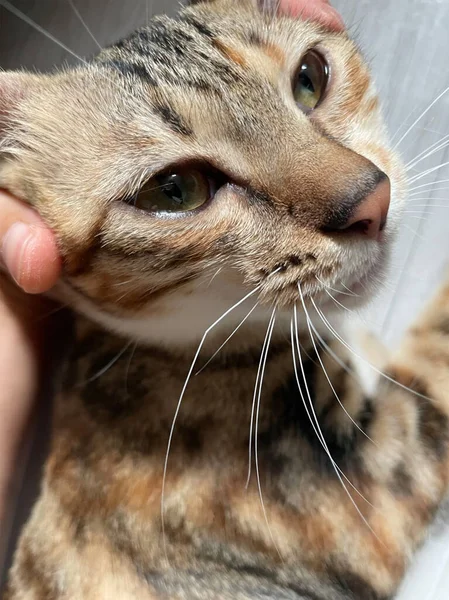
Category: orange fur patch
[275,53]
[230,53]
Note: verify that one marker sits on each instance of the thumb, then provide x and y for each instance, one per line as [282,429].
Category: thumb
[28,248]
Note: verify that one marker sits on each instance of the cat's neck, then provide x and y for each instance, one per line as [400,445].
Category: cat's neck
[130,392]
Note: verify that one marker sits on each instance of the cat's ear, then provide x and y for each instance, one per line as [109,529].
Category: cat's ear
[14,87]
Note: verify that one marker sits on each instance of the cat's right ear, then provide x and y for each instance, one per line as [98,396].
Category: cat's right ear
[14,87]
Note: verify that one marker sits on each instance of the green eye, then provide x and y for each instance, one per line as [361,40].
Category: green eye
[174,192]
[311,81]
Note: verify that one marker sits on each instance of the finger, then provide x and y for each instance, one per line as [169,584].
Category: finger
[319,11]
[28,248]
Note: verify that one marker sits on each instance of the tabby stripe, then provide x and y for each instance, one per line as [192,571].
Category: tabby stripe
[131,69]
[173,119]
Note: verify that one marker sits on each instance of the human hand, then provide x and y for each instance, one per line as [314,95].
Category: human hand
[29,257]
[315,10]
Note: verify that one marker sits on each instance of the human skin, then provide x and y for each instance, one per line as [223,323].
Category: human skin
[29,257]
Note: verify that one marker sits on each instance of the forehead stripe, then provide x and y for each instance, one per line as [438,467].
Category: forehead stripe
[173,119]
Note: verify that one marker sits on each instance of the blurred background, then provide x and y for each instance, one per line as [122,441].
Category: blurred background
[407,45]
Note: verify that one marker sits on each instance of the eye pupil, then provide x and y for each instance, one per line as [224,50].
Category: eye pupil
[306,82]
[173,190]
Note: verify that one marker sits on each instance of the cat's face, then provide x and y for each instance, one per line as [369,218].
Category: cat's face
[184,168]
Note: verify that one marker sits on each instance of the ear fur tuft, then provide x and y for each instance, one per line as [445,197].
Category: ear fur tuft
[13,88]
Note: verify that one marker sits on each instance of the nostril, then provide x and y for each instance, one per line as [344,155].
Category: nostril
[360,226]
[369,217]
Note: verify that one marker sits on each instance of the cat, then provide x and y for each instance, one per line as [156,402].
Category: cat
[210,178]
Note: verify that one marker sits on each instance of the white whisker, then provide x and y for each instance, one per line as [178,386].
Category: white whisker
[214,276]
[19,14]
[106,368]
[414,232]
[315,423]
[348,293]
[227,339]
[427,206]
[429,184]
[178,406]
[422,115]
[84,24]
[338,303]
[310,326]
[437,147]
[322,441]
[256,433]
[253,405]
[428,195]
[427,172]
[348,347]
[128,366]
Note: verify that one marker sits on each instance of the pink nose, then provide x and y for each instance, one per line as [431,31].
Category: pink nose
[370,216]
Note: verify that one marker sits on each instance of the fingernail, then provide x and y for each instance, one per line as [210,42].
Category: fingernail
[14,246]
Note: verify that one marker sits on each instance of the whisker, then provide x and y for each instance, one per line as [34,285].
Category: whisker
[422,115]
[349,290]
[425,206]
[178,406]
[348,293]
[52,312]
[427,201]
[122,283]
[256,433]
[348,347]
[428,172]
[253,405]
[338,303]
[128,366]
[335,356]
[20,15]
[417,197]
[421,217]
[415,233]
[84,24]
[322,441]
[310,326]
[437,147]
[214,276]
[227,339]
[315,423]
[106,368]
[430,183]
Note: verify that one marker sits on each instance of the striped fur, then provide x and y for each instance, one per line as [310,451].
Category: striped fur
[214,86]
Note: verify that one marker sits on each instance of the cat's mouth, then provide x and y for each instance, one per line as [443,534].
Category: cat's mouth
[340,287]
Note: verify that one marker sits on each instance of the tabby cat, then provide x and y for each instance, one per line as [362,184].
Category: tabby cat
[214,178]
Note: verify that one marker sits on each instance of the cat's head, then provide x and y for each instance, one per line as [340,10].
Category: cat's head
[228,150]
